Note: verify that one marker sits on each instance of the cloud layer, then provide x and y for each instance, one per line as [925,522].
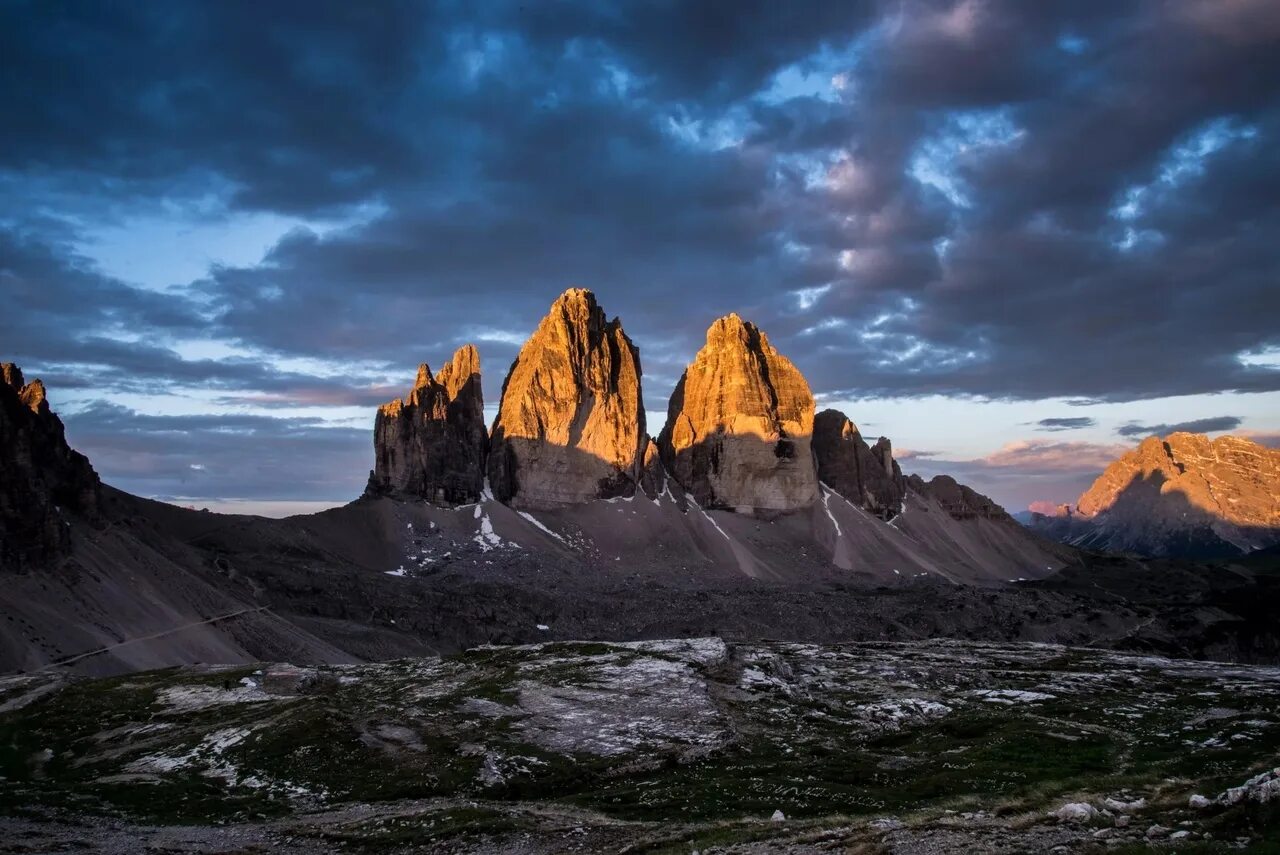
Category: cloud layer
[977,198]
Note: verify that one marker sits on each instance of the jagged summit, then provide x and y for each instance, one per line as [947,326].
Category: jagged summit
[431,445]
[739,425]
[865,475]
[570,427]
[960,501]
[1184,495]
[41,477]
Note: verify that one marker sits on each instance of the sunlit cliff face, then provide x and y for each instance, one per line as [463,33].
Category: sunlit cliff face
[740,424]
[1228,479]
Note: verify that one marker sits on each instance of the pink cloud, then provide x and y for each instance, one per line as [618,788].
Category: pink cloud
[1049,455]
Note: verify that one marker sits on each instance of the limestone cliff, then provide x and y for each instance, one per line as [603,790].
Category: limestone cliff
[570,427]
[432,444]
[740,423]
[865,475]
[1185,495]
[42,480]
[961,502]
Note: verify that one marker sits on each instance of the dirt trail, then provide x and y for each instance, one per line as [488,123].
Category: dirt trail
[67,660]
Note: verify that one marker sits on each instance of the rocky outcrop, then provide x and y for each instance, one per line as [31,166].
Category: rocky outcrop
[653,478]
[961,502]
[42,480]
[1184,495]
[740,424]
[432,444]
[867,476]
[570,427]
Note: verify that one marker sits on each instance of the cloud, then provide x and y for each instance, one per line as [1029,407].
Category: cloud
[1028,470]
[1271,439]
[1041,455]
[904,454]
[1209,425]
[232,456]
[1066,423]
[897,193]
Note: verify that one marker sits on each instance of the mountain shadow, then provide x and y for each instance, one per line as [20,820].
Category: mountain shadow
[1150,519]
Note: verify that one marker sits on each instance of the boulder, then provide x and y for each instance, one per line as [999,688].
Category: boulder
[740,424]
[1075,812]
[867,476]
[570,427]
[43,482]
[432,444]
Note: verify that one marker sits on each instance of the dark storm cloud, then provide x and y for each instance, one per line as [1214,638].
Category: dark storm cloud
[1217,423]
[999,199]
[205,455]
[1067,423]
[77,329]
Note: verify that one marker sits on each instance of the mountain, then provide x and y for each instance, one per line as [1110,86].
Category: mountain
[749,516]
[740,423]
[865,475]
[432,444]
[1184,495]
[570,426]
[42,481]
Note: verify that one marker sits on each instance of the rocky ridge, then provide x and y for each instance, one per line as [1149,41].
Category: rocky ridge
[431,445]
[961,502]
[740,435]
[740,424]
[1183,495]
[40,476]
[570,427]
[865,475]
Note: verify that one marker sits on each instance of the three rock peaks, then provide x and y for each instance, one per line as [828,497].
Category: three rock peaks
[740,430]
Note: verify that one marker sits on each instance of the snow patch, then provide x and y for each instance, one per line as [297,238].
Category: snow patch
[826,506]
[1009,697]
[538,524]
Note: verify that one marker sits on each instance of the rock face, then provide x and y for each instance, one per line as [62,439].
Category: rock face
[432,444]
[866,475]
[570,427]
[740,425]
[963,503]
[41,479]
[1184,495]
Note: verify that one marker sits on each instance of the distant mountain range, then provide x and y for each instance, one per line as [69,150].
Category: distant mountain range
[1185,495]
[748,515]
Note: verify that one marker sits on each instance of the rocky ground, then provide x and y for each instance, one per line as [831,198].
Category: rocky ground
[659,746]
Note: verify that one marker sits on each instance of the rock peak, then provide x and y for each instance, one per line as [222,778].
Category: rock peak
[432,444]
[867,476]
[462,369]
[12,375]
[739,425]
[42,479]
[1182,495]
[570,427]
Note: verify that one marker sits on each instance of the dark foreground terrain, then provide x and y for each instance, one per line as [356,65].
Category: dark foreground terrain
[152,585]
[661,746]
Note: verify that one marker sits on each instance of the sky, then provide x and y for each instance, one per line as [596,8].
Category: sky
[1014,237]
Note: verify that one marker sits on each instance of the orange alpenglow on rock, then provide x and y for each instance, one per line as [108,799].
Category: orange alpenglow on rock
[570,427]
[432,444]
[740,424]
[1165,487]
